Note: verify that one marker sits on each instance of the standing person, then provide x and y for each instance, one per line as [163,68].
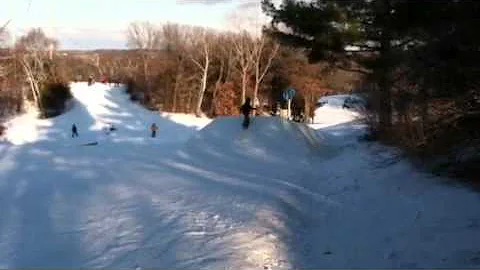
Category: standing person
[91,80]
[103,79]
[246,109]
[74,131]
[116,82]
[154,129]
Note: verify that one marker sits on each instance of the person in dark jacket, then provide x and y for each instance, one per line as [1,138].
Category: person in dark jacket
[154,129]
[246,109]
[74,131]
[91,80]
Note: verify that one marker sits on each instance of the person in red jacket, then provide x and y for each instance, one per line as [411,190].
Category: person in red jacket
[103,79]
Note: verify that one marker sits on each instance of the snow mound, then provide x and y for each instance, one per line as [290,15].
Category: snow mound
[338,101]
[267,138]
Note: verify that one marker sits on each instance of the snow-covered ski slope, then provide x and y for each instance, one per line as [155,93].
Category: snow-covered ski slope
[93,108]
[275,196]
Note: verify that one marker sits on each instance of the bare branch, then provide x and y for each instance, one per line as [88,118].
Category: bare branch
[4,26]
[143,35]
[259,49]
[244,52]
[198,64]
[272,55]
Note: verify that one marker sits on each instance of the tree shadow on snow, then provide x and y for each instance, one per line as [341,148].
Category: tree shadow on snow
[62,208]
[265,168]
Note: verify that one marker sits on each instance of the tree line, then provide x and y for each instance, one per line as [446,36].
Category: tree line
[172,67]
[198,70]
[30,76]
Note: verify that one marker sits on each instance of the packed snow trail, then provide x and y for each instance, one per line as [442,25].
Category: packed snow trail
[274,196]
[133,201]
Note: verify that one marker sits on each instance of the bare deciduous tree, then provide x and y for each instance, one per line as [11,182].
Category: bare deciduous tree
[223,62]
[244,52]
[261,65]
[190,68]
[36,48]
[4,35]
[201,40]
[143,36]
[146,37]
[174,37]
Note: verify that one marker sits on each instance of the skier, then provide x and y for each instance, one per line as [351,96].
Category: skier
[116,82]
[103,79]
[74,131]
[154,129]
[246,109]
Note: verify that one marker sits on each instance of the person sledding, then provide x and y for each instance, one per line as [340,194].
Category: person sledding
[109,128]
[246,109]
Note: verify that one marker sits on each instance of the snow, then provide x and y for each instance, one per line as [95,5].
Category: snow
[94,108]
[330,111]
[207,194]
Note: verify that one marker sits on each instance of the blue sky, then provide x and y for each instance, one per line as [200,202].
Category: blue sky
[91,24]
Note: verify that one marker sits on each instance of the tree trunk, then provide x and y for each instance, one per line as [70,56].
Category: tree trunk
[255,93]
[33,83]
[198,110]
[309,101]
[244,85]
[146,77]
[229,68]
[189,102]
[385,100]
[204,69]
[245,59]
[259,73]
[178,77]
[217,85]
[385,68]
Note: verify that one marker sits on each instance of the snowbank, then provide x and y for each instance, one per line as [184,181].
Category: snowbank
[331,111]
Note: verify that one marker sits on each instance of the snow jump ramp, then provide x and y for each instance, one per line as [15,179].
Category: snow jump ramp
[267,136]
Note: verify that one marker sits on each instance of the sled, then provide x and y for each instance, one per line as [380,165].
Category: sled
[89,144]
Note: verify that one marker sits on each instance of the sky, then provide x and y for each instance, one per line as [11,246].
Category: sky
[94,24]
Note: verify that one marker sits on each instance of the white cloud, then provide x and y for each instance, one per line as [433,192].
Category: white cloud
[101,23]
[84,38]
